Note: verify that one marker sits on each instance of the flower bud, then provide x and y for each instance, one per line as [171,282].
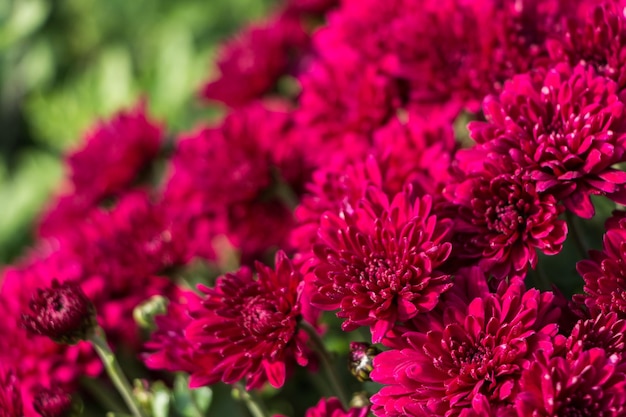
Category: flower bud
[62,312]
[145,312]
[55,402]
[360,360]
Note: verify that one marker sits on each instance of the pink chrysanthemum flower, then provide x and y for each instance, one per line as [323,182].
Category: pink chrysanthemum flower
[110,160]
[62,312]
[596,38]
[510,220]
[605,275]
[567,130]
[379,263]
[593,384]
[606,331]
[220,175]
[10,397]
[251,64]
[331,407]
[250,325]
[477,349]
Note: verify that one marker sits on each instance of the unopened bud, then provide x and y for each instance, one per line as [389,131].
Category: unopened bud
[360,360]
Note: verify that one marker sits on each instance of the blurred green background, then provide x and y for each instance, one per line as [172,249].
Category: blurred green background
[65,63]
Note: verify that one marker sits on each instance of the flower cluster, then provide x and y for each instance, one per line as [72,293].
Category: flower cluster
[415,167]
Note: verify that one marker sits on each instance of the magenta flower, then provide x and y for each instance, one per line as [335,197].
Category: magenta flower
[379,263]
[592,384]
[62,312]
[566,130]
[510,221]
[604,331]
[478,349]
[222,175]
[605,275]
[251,63]
[596,37]
[55,402]
[250,325]
[10,397]
[107,164]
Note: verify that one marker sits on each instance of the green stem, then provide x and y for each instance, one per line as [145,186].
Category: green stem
[254,404]
[574,231]
[327,362]
[103,394]
[98,340]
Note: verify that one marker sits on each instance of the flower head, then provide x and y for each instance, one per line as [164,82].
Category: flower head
[10,397]
[478,349]
[596,37]
[510,220]
[250,325]
[593,384]
[565,129]
[605,331]
[55,402]
[107,164]
[379,263]
[605,275]
[251,64]
[62,312]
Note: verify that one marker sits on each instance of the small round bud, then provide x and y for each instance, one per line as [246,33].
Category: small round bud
[62,312]
[55,402]
[360,360]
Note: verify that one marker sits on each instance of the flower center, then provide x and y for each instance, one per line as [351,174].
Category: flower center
[260,317]
[469,359]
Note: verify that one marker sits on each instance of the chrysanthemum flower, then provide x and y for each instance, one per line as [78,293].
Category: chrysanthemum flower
[606,331]
[250,325]
[592,384]
[10,397]
[219,174]
[55,402]
[567,130]
[62,312]
[110,160]
[379,264]
[510,220]
[480,351]
[251,63]
[596,37]
[605,275]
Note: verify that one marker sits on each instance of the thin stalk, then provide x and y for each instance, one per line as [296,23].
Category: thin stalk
[574,231]
[327,362]
[103,394]
[253,404]
[98,340]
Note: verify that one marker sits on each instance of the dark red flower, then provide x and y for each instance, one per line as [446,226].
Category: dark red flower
[596,37]
[477,350]
[604,331]
[107,164]
[251,63]
[10,397]
[510,220]
[566,130]
[250,325]
[591,385]
[605,275]
[379,263]
[55,402]
[62,312]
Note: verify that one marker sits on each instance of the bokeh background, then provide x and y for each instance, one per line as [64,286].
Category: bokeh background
[66,63]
